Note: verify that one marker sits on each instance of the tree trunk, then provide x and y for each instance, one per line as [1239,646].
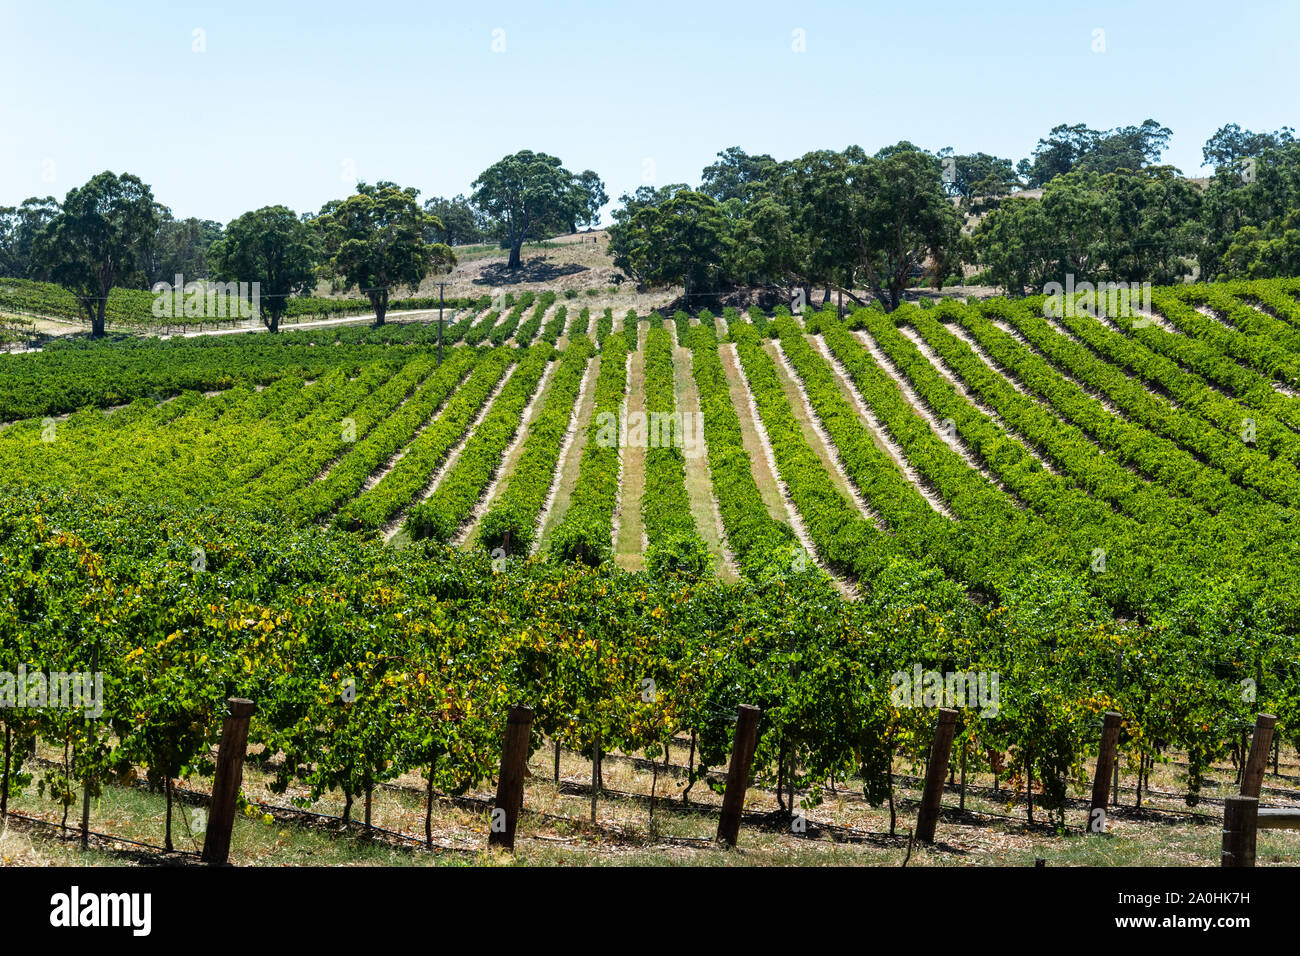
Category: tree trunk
[99,324]
[889,781]
[380,302]
[515,259]
[272,321]
[961,804]
[67,776]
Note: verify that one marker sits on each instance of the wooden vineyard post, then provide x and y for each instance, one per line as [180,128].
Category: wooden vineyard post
[1240,816]
[1253,777]
[510,784]
[742,755]
[940,750]
[1101,779]
[227,780]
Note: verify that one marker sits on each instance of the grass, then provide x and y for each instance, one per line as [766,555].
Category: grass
[555,828]
[570,464]
[763,474]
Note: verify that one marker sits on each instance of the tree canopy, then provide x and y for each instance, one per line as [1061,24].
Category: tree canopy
[588,198]
[460,224]
[1078,148]
[274,248]
[1120,227]
[376,242]
[684,239]
[181,247]
[832,219]
[96,240]
[1231,143]
[528,196]
[18,228]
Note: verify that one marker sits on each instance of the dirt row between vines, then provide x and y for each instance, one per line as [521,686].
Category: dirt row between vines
[509,458]
[751,422]
[815,435]
[948,436]
[567,466]
[394,525]
[960,388]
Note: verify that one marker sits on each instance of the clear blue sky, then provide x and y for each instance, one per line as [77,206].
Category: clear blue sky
[290,97]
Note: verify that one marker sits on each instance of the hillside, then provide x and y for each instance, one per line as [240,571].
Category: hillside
[1096,511]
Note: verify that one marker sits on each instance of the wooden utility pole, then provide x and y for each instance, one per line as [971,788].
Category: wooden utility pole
[940,751]
[226,782]
[510,782]
[742,756]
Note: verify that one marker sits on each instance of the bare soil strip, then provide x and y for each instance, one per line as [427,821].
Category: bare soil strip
[747,409]
[974,346]
[537,336]
[1158,320]
[1092,392]
[762,464]
[815,435]
[478,319]
[1110,324]
[566,468]
[1209,313]
[629,527]
[878,431]
[961,333]
[395,525]
[509,459]
[324,472]
[382,472]
[1059,329]
[1124,370]
[699,480]
[948,436]
[960,388]
[1162,323]
[1214,316]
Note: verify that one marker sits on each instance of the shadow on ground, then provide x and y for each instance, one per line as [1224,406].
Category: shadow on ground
[537,269]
